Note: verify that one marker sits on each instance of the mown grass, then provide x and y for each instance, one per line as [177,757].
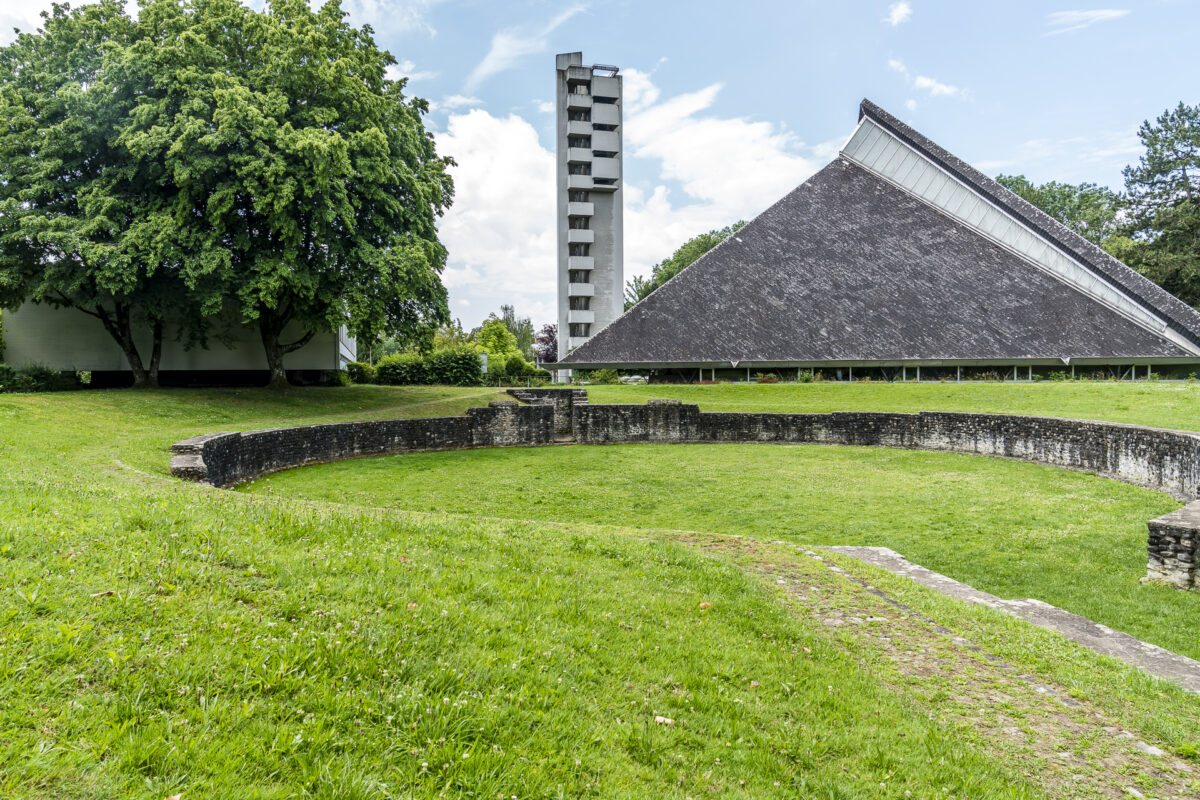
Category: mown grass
[1164,404]
[157,638]
[1011,528]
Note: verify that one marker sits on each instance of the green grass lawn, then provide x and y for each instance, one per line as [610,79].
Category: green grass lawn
[1010,528]
[158,637]
[1164,404]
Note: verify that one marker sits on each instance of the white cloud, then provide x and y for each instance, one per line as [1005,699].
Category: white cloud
[910,104]
[501,230]
[935,87]
[898,13]
[512,44]
[391,16]
[407,69]
[1066,21]
[544,106]
[456,101]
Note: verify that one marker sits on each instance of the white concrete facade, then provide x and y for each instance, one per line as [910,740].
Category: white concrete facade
[65,338]
[591,275]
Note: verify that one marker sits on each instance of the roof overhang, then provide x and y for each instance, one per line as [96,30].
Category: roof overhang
[748,364]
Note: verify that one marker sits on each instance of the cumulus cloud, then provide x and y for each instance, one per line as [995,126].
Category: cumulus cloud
[898,13]
[500,232]
[1067,21]
[512,44]
[707,171]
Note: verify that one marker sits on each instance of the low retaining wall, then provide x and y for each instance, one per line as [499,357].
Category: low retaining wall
[227,459]
[1159,459]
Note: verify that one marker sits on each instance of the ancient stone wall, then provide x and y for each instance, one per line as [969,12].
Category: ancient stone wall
[562,399]
[226,459]
[1159,459]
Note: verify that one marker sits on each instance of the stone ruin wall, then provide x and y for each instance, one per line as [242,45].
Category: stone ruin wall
[1164,460]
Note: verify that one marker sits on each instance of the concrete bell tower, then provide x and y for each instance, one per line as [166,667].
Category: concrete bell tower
[591,276]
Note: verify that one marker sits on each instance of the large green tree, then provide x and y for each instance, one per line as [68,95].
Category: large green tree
[307,186]
[80,222]
[210,160]
[638,288]
[1163,192]
[1088,209]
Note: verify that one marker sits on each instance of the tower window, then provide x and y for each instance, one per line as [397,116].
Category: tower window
[579,249]
[578,196]
[579,141]
[580,303]
[579,223]
[580,115]
[579,276]
[583,168]
[579,329]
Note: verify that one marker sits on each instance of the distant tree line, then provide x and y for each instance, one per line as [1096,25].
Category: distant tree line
[205,162]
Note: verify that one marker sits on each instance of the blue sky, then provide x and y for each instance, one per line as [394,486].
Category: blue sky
[730,105]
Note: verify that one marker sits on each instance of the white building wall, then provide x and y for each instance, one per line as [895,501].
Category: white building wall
[65,338]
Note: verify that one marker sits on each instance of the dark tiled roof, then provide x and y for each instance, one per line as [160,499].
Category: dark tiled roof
[847,267]
[1178,314]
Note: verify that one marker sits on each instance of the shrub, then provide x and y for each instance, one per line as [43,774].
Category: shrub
[405,369]
[761,378]
[37,379]
[602,376]
[455,366]
[45,379]
[804,376]
[1058,375]
[361,372]
[517,367]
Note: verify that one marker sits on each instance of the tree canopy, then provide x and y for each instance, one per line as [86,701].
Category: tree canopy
[214,159]
[1163,196]
[638,288]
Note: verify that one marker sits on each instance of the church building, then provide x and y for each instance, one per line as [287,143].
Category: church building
[898,257]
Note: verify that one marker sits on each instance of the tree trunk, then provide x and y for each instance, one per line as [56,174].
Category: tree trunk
[155,353]
[270,326]
[120,327]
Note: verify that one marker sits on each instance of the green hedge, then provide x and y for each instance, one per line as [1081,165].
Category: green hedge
[452,366]
[405,369]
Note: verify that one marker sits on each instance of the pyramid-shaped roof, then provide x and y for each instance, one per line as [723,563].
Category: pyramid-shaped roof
[899,252]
